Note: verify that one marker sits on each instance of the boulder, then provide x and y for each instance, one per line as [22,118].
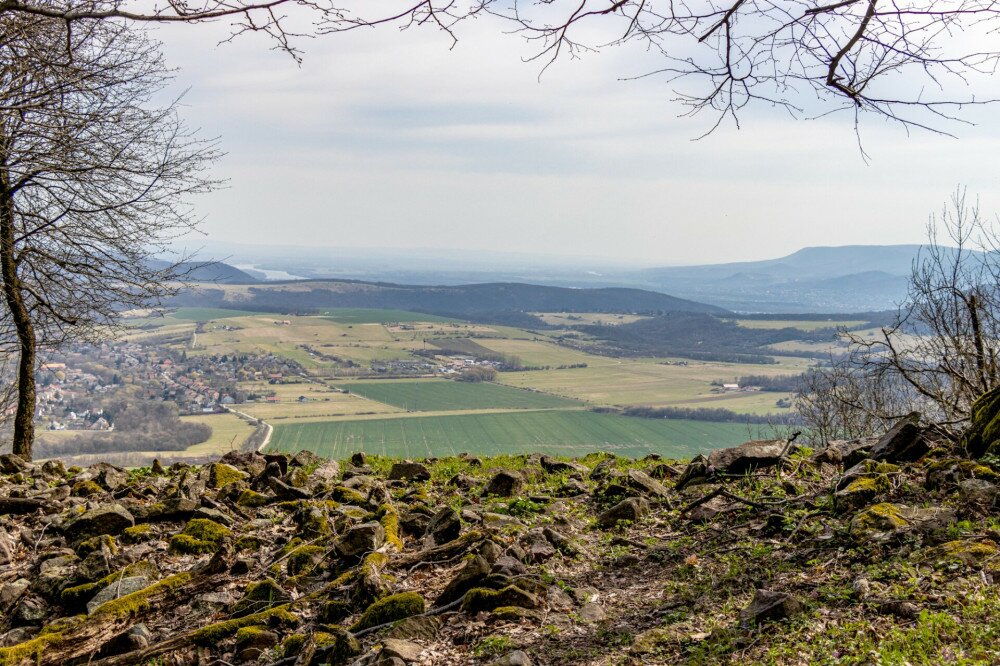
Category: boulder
[110,519]
[515,658]
[838,451]
[904,442]
[402,649]
[770,606]
[118,589]
[444,526]
[553,466]
[747,456]
[409,471]
[360,539]
[646,484]
[471,575]
[504,484]
[628,510]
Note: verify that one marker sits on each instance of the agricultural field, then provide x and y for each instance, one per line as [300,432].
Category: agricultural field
[800,324]
[320,402]
[367,316]
[586,318]
[567,433]
[649,382]
[228,433]
[417,395]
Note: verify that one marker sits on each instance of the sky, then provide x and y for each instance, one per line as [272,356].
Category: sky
[390,139]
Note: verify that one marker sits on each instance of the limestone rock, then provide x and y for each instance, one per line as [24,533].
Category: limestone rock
[504,484]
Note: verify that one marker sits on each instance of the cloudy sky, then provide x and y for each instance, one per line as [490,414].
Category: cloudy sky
[389,139]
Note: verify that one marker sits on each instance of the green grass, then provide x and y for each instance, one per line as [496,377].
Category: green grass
[368,316]
[567,433]
[447,395]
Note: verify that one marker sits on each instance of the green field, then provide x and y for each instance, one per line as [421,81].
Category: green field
[437,395]
[366,316]
[566,433]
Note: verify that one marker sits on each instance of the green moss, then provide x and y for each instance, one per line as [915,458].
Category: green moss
[92,544]
[29,650]
[869,484]
[220,474]
[299,478]
[966,552]
[248,543]
[86,488]
[315,523]
[292,645]
[390,609]
[304,559]
[182,544]
[213,633]
[250,498]
[138,533]
[882,517]
[141,600]
[390,523]
[206,530]
[347,495]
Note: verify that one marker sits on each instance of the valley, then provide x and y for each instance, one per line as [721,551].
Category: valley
[391,382]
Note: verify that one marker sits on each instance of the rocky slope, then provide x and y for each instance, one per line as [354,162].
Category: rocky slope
[868,552]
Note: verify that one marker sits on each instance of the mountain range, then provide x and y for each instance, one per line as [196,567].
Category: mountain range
[850,278]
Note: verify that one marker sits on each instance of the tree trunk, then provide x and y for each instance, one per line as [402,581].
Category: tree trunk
[24,417]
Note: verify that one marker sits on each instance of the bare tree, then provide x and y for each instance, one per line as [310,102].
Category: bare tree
[940,353]
[907,60]
[94,181]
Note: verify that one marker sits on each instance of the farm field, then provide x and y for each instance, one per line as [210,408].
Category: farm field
[320,402]
[644,382]
[568,433]
[586,318]
[367,316]
[447,395]
[540,352]
[800,324]
[228,432]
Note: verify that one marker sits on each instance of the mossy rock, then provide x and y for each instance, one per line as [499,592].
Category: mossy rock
[390,609]
[861,492]
[292,645]
[983,433]
[93,544]
[950,472]
[183,544]
[336,645]
[221,474]
[248,542]
[298,478]
[968,552]
[883,517]
[138,533]
[480,599]
[75,597]
[200,536]
[274,617]
[346,495]
[255,637]
[304,559]
[251,499]
[314,523]
[86,489]
[141,600]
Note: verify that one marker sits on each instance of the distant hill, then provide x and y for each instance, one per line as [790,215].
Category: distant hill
[849,278]
[209,271]
[479,299]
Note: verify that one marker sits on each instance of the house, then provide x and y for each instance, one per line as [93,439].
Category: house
[730,387]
